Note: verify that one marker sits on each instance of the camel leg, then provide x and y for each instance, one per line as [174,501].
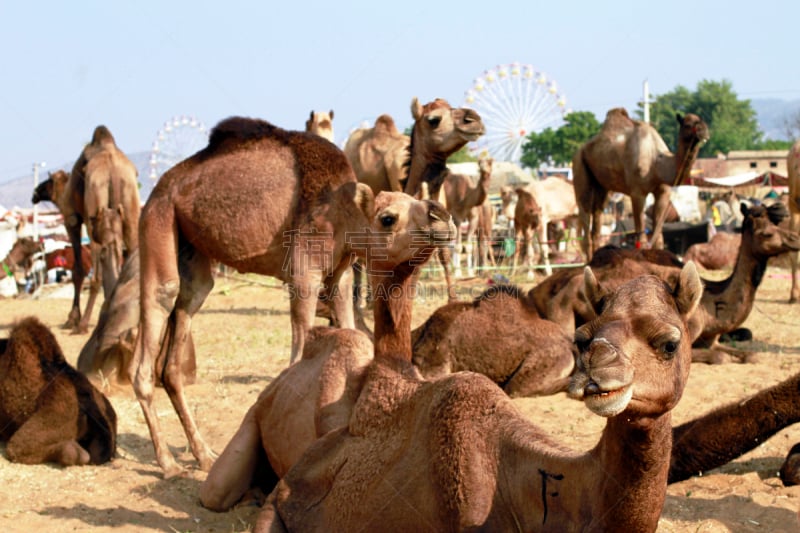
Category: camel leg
[78,275]
[197,281]
[585,225]
[443,254]
[544,246]
[304,294]
[39,440]
[637,202]
[94,289]
[660,207]
[457,249]
[794,295]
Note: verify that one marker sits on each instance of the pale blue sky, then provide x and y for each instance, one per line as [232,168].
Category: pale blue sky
[69,66]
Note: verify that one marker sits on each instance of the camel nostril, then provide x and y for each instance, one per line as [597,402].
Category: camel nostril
[591,388]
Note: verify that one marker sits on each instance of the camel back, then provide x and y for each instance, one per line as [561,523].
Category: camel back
[321,166]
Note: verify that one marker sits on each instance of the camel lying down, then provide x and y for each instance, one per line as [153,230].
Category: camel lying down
[49,412]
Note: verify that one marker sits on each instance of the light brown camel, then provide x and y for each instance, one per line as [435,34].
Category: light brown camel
[102,192]
[49,412]
[108,352]
[485,234]
[462,198]
[718,253]
[527,220]
[456,455]
[725,304]
[317,394]
[378,155]
[793,170]
[630,157]
[525,355]
[321,123]
[556,199]
[19,257]
[259,199]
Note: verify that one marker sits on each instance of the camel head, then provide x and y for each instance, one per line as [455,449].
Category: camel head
[321,123]
[634,357]
[52,188]
[767,238]
[407,231]
[527,212]
[693,131]
[440,131]
[485,169]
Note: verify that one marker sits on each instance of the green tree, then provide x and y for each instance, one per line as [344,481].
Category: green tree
[556,147]
[462,156]
[731,121]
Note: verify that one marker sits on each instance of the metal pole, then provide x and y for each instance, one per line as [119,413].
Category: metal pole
[35,206]
[646,101]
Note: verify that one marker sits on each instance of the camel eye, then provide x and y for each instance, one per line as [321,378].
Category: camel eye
[670,348]
[434,121]
[388,221]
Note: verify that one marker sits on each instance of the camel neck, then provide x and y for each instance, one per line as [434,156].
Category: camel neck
[430,169]
[645,443]
[685,156]
[393,294]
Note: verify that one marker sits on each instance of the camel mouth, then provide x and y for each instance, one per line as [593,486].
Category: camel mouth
[472,136]
[609,403]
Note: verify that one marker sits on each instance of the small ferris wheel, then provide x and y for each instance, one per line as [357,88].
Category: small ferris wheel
[178,138]
[514,101]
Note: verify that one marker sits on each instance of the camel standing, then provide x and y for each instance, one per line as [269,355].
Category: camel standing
[259,199]
[49,412]
[556,199]
[455,454]
[630,157]
[321,123]
[102,192]
[462,199]
[793,169]
[527,220]
[317,394]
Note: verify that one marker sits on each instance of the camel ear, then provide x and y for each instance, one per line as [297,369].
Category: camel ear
[679,117]
[416,109]
[365,199]
[592,291]
[743,208]
[331,114]
[311,117]
[689,290]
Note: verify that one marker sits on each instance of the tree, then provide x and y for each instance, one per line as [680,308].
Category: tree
[462,156]
[792,125]
[556,147]
[731,121]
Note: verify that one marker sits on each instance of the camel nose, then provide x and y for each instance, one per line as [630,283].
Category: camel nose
[471,116]
[600,353]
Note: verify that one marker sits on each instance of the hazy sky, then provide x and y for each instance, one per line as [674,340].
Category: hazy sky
[69,66]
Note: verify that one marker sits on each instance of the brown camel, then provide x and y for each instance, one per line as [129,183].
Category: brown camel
[718,253]
[485,234]
[525,355]
[102,192]
[793,169]
[378,155]
[259,199]
[321,123]
[108,352]
[527,220]
[317,394]
[455,454]
[49,412]
[630,157]
[790,469]
[19,257]
[462,198]
[725,304]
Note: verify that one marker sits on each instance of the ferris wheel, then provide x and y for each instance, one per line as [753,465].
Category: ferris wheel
[514,101]
[178,138]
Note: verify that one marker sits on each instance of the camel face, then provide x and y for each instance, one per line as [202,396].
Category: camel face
[692,128]
[411,228]
[768,238]
[321,123]
[443,127]
[52,188]
[637,327]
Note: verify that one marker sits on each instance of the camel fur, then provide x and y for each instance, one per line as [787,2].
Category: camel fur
[793,172]
[630,157]
[19,257]
[317,394]
[718,253]
[525,355]
[49,412]
[455,454]
[527,221]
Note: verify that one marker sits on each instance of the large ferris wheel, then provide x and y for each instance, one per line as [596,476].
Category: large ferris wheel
[514,101]
[178,138]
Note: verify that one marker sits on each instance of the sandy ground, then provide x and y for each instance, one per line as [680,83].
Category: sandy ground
[243,335]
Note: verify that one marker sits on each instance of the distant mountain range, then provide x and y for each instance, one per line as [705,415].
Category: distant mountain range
[772,114]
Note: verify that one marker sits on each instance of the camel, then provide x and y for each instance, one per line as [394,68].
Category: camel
[19,256]
[485,234]
[101,192]
[725,303]
[630,157]
[108,352]
[455,454]
[718,253]
[556,198]
[378,155]
[305,220]
[793,170]
[525,355]
[321,123]
[527,220]
[790,469]
[317,394]
[49,412]
[462,199]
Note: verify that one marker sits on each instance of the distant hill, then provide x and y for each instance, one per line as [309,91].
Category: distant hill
[17,192]
[772,115]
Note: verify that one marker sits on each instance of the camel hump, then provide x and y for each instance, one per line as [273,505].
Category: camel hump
[102,135]
[31,336]
[240,129]
[385,124]
[618,117]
